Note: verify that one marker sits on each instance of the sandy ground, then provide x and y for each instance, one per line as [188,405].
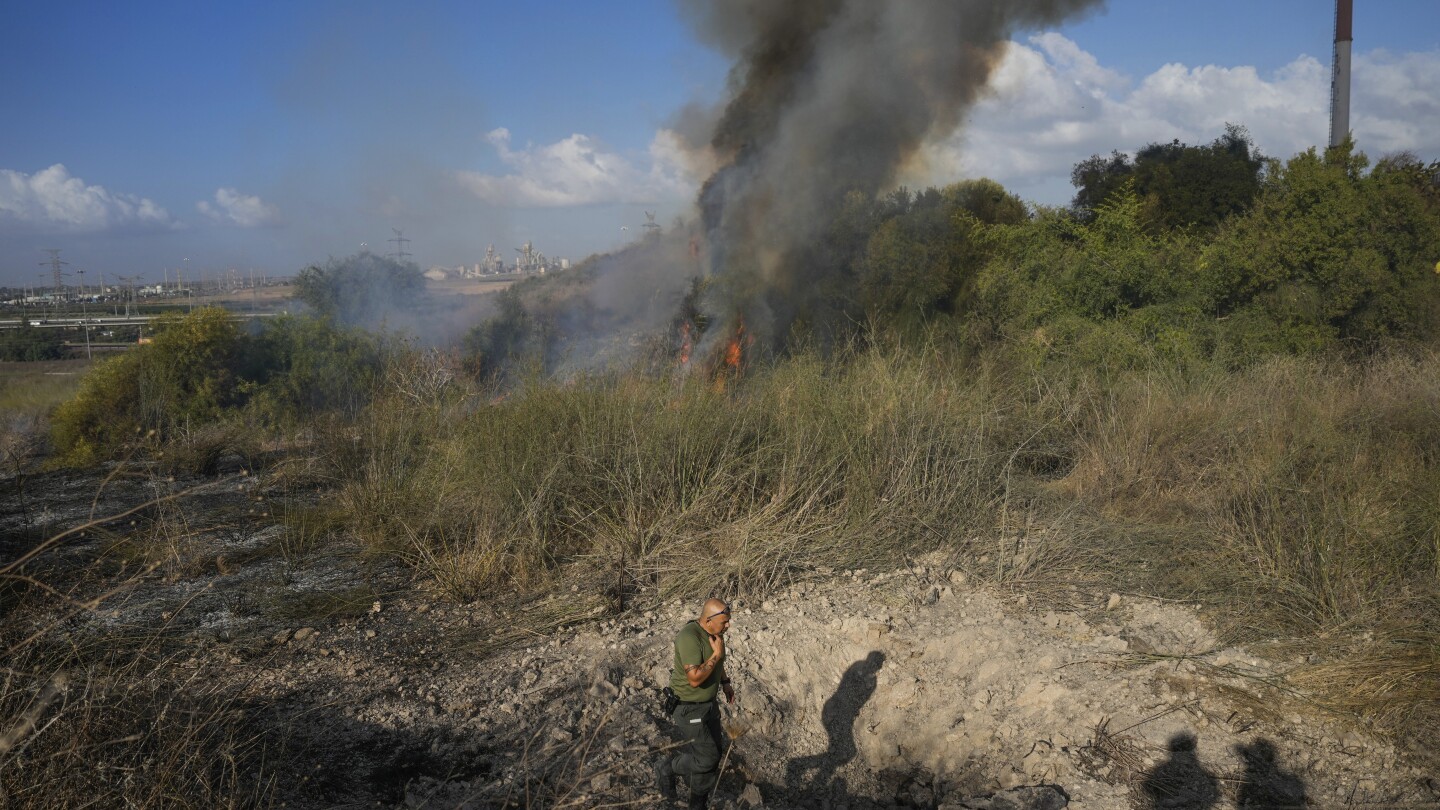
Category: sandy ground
[920,687]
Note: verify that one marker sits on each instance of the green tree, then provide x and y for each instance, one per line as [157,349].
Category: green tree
[187,372]
[360,289]
[1109,291]
[1328,254]
[987,201]
[1179,185]
[922,259]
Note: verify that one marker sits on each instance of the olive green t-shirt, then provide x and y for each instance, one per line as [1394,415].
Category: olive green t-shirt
[692,647]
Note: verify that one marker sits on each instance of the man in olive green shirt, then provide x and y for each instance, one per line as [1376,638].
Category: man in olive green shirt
[698,674]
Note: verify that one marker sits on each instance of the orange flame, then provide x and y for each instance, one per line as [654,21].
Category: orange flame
[732,353]
[686,344]
[729,362]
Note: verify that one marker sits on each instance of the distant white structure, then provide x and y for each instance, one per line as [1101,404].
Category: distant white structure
[528,260]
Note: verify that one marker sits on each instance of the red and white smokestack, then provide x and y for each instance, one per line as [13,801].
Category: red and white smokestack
[1340,73]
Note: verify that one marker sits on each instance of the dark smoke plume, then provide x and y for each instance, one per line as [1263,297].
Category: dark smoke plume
[827,100]
[829,97]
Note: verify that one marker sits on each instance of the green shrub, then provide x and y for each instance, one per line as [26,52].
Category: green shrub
[1329,257]
[304,366]
[183,379]
[30,344]
[101,416]
[189,384]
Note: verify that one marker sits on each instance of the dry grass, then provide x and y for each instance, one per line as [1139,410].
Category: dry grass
[1297,500]
[675,487]
[308,531]
[28,392]
[1112,757]
[121,725]
[1294,499]
[39,385]
[98,713]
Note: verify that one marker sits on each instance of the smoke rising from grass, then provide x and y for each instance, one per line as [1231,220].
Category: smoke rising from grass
[829,97]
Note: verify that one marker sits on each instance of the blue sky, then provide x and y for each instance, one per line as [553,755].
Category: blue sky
[269,135]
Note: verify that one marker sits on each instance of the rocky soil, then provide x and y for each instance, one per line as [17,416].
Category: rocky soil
[920,687]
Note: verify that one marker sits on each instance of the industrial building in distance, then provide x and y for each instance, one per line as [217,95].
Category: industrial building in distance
[528,260]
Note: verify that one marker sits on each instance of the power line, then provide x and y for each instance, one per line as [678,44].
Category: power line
[57,271]
[400,241]
[129,281]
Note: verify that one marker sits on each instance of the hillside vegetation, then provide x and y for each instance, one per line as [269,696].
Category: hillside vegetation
[1232,401]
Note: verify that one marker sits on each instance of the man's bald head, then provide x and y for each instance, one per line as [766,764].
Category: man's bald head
[714,616]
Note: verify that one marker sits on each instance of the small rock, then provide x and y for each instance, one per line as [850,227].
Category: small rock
[604,690]
[600,783]
[1113,602]
[750,796]
[282,637]
[304,633]
[1012,779]
[375,607]
[370,634]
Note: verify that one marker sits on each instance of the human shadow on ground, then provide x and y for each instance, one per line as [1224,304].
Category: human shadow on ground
[1265,784]
[814,774]
[1181,782]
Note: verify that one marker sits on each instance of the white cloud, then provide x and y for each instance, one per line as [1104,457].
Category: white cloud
[577,171]
[243,210]
[1054,105]
[1395,103]
[52,199]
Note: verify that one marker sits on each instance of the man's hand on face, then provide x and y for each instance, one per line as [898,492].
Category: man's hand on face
[729,692]
[717,643]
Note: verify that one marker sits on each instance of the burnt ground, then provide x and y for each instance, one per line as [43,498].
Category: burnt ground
[918,687]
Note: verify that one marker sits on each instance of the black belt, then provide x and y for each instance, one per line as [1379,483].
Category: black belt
[697,702]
